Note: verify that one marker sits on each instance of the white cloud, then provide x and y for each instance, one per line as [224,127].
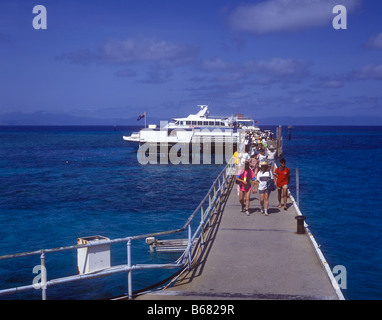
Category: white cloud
[329,84]
[157,76]
[145,49]
[216,64]
[127,73]
[370,71]
[375,41]
[279,68]
[276,68]
[82,57]
[285,15]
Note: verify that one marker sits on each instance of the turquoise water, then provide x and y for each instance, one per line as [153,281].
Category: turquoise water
[61,183]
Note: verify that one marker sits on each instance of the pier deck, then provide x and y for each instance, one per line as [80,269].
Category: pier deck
[253,257]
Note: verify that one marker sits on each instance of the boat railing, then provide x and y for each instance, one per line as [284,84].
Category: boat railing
[204,211]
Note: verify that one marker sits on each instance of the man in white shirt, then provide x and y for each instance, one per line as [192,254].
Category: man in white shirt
[271,155]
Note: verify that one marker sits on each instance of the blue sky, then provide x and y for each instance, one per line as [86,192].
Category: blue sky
[115,59]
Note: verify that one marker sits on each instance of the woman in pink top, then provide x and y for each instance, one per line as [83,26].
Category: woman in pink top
[245,178]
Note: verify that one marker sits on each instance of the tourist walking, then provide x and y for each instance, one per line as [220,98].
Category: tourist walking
[254,164]
[262,178]
[282,178]
[261,157]
[271,155]
[245,156]
[246,179]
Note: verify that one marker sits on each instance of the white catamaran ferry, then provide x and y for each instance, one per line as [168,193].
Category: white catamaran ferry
[196,128]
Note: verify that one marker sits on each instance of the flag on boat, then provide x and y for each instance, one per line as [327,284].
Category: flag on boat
[142,116]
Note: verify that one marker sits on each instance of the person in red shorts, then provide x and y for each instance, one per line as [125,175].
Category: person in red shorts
[282,178]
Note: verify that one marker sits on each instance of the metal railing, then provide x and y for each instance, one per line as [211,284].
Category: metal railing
[206,209]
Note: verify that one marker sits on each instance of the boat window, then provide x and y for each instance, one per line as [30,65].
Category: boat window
[211,123]
[188,123]
[200,123]
[194,123]
[205,123]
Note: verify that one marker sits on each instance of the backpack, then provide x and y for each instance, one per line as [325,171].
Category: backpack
[271,184]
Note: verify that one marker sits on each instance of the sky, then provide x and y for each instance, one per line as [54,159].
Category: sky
[112,60]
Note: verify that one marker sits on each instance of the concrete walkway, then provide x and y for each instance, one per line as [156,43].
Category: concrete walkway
[252,257]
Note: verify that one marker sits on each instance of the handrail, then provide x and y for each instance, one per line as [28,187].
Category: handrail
[213,197]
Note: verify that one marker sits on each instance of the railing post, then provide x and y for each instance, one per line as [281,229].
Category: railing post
[189,247]
[129,280]
[43,276]
[202,225]
[210,209]
[298,187]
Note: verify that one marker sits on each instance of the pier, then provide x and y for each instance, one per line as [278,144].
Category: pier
[224,254]
[254,257]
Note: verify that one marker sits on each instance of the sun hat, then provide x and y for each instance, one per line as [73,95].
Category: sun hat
[264,163]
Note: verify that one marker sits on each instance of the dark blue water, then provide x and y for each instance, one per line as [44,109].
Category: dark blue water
[61,183]
[339,193]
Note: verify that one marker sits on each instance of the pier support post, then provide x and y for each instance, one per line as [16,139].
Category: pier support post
[300,224]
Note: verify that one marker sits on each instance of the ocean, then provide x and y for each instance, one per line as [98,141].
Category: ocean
[61,183]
